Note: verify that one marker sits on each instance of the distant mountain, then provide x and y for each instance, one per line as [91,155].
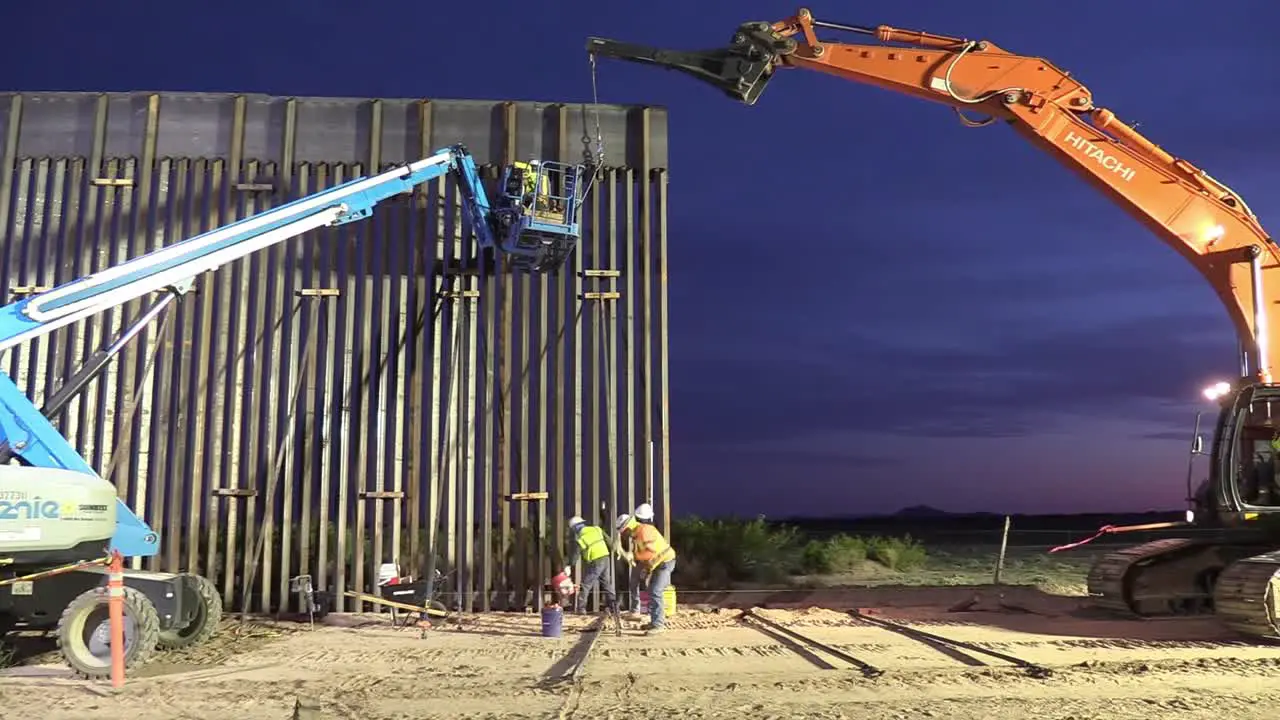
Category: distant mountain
[921,511]
[928,514]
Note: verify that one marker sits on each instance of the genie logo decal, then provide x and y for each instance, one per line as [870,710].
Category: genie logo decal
[34,509]
[1099,155]
[37,508]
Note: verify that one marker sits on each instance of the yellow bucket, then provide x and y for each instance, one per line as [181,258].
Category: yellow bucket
[668,601]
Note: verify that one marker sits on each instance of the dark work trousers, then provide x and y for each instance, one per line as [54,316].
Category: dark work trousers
[596,572]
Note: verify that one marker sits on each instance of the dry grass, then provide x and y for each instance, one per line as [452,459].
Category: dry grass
[1060,574]
[731,553]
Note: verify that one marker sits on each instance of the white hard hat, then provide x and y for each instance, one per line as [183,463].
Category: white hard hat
[575,521]
[644,512]
[623,519]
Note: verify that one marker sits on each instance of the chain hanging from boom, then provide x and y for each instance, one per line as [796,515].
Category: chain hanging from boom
[594,160]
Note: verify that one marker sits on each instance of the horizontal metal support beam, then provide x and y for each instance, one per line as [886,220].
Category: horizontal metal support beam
[234,492]
[22,290]
[381,495]
[528,496]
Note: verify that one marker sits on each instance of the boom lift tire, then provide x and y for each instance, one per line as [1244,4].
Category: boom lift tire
[206,620]
[84,632]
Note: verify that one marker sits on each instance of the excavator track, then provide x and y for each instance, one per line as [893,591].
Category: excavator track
[1246,597]
[1158,578]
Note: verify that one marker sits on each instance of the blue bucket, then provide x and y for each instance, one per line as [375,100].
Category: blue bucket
[552,619]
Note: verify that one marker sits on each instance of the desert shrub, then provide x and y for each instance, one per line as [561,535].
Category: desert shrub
[897,553]
[717,553]
[837,554]
[721,551]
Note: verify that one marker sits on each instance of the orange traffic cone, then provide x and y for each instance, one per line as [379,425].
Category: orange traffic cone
[115,606]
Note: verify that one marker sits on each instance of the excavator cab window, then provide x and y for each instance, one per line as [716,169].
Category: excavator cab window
[538,203]
[1248,446]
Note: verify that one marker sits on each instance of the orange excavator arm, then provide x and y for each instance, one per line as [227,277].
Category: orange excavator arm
[1204,220]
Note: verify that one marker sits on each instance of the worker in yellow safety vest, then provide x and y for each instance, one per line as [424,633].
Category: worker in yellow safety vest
[653,556]
[591,546]
[524,181]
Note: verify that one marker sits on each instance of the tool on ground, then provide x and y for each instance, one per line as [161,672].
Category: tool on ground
[1033,669]
[404,589]
[784,633]
[423,611]
[308,598]
[1228,568]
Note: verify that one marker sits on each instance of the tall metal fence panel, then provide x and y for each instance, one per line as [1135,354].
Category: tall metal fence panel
[371,393]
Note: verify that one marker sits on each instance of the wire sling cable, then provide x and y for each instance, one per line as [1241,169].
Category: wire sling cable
[122,442]
[448,446]
[612,421]
[596,159]
[498,401]
[282,453]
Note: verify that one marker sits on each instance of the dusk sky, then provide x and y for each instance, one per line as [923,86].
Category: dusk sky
[872,306]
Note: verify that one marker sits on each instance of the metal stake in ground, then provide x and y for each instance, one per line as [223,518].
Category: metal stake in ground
[868,670]
[613,577]
[1037,671]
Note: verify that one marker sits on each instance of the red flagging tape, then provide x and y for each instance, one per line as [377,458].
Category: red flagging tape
[1104,530]
[1109,529]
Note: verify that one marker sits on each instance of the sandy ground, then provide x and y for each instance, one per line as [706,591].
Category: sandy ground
[710,665]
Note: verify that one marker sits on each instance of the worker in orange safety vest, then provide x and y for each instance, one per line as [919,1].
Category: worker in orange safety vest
[654,556]
[639,575]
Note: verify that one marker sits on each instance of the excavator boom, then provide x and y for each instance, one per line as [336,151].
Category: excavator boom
[1231,576]
[1202,219]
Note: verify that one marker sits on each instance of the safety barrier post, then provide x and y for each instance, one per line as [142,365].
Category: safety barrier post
[1004,544]
[115,606]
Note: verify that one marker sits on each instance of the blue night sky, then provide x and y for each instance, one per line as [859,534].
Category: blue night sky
[871,305]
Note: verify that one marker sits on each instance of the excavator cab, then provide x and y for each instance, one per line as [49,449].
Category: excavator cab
[1244,475]
[537,211]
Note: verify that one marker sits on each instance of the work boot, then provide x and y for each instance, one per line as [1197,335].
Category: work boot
[651,629]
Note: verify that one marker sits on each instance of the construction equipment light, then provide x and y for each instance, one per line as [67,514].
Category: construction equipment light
[1217,390]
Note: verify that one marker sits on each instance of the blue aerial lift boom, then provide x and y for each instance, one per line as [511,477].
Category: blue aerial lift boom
[55,509]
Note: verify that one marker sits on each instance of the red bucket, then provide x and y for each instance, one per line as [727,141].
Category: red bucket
[563,585]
